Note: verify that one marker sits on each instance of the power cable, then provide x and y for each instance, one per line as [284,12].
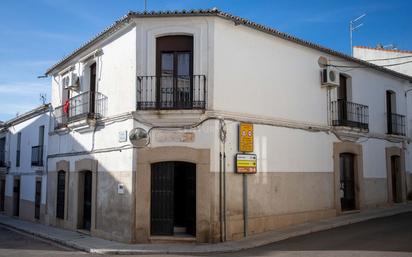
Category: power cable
[387,59]
[381,59]
[355,67]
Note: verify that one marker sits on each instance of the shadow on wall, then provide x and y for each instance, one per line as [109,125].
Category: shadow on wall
[89,195]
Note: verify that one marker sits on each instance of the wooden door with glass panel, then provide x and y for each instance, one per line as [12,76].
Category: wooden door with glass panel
[174,72]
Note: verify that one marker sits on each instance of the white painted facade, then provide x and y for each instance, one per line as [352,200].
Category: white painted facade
[20,164]
[252,76]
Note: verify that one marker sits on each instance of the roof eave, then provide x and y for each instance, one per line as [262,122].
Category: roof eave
[102,35]
[27,115]
[215,12]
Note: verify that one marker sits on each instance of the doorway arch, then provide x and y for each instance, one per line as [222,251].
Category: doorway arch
[349,156]
[396,175]
[347,181]
[148,156]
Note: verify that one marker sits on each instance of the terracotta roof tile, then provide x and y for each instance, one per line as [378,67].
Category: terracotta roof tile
[215,12]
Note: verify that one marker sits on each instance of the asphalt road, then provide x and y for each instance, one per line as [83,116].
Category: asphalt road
[390,236]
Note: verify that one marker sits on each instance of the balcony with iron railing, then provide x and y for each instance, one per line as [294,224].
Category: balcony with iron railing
[396,124]
[171,92]
[90,105]
[37,155]
[348,114]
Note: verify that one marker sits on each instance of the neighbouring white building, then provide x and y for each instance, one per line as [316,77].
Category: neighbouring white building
[393,59]
[23,151]
[328,139]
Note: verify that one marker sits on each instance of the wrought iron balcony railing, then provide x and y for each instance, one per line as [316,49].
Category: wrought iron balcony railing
[348,114]
[37,155]
[85,105]
[171,92]
[396,124]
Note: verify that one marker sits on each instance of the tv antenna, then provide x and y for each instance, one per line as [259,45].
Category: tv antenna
[352,27]
[43,98]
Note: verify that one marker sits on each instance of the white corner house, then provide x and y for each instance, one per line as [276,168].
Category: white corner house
[145,131]
[393,59]
[23,171]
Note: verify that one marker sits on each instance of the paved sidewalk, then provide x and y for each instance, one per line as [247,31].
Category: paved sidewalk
[96,245]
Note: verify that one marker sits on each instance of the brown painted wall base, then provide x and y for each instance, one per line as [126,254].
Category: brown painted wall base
[26,211]
[375,191]
[275,199]
[8,205]
[112,213]
[263,224]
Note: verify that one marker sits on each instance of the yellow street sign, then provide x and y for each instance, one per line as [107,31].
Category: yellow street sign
[245,137]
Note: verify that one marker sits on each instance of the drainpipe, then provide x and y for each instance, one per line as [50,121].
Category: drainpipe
[222,180]
[222,137]
[51,124]
[220,196]
[406,134]
[224,191]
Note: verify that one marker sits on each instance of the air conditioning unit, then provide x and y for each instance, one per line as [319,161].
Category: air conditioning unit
[70,81]
[329,77]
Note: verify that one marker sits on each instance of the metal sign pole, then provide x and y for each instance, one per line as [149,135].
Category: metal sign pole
[245,207]
[246,164]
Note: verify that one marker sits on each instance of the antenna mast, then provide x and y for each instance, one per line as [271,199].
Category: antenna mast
[352,27]
[43,98]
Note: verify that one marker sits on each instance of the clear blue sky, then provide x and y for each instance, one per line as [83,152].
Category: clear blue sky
[36,34]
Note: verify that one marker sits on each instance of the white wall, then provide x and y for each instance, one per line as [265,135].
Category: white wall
[259,74]
[29,130]
[369,54]
[403,107]
[265,75]
[115,72]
